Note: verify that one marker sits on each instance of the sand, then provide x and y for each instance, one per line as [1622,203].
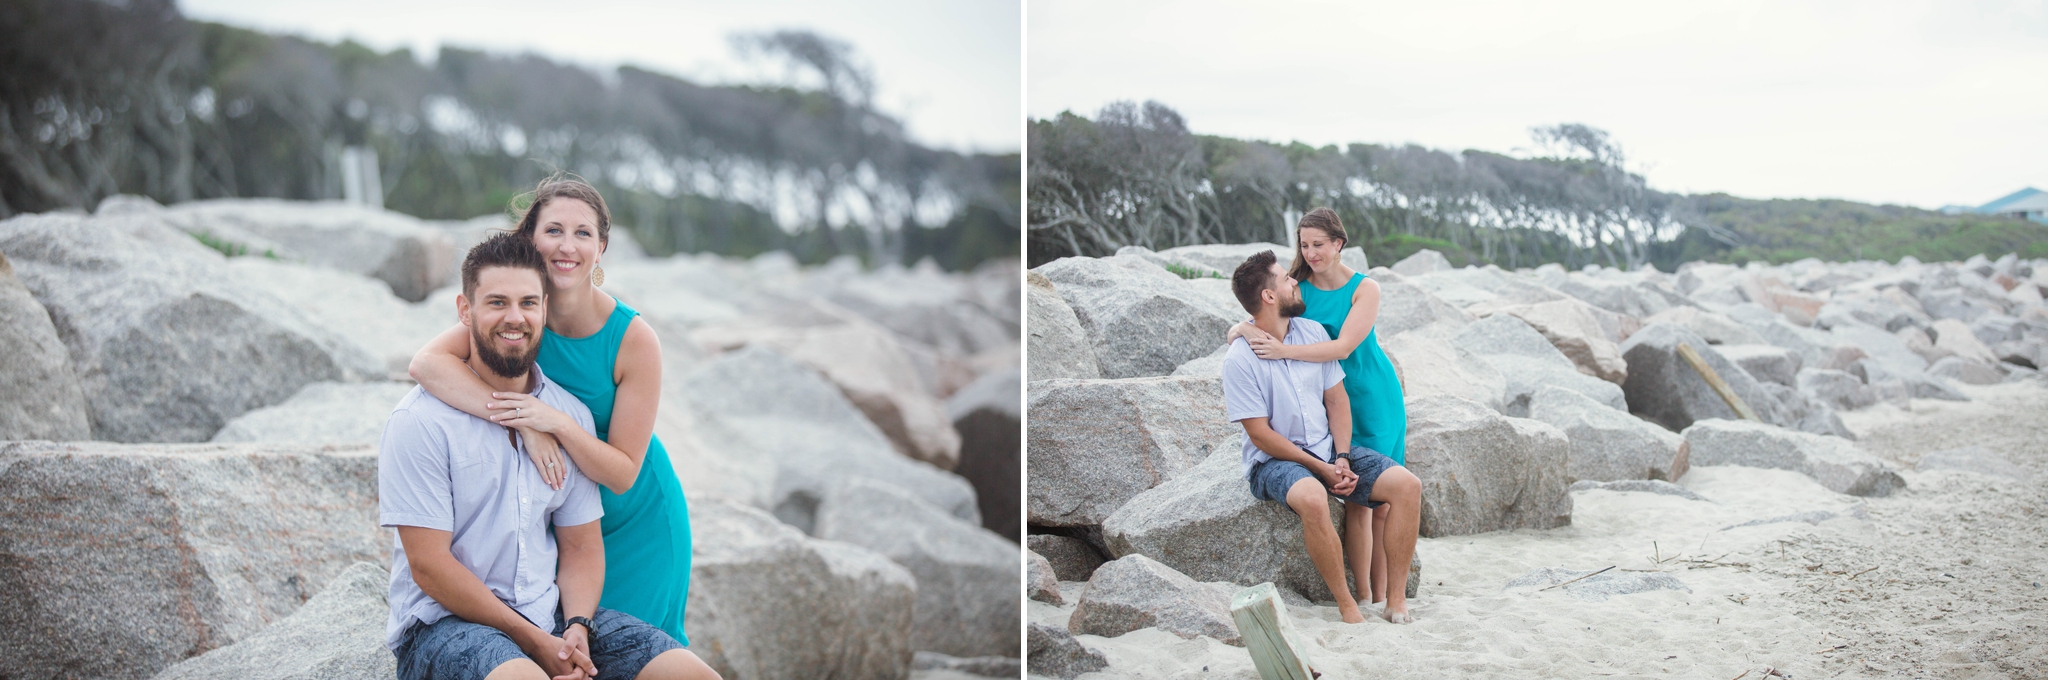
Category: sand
[1944,580]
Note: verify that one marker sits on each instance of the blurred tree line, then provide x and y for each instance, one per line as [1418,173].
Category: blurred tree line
[102,98]
[1135,176]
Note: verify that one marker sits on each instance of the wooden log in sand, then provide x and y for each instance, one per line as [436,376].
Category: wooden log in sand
[1268,634]
[1714,380]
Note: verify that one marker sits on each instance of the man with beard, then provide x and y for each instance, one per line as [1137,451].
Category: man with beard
[1297,427]
[477,589]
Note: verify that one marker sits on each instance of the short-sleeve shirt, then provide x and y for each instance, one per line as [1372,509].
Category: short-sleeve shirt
[440,468]
[1286,392]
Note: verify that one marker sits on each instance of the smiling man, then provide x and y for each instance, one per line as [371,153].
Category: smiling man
[480,588]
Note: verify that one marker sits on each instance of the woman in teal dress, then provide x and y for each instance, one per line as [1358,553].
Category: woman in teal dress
[1347,303]
[598,349]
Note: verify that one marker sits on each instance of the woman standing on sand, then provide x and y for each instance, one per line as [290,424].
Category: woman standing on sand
[1347,303]
[599,350]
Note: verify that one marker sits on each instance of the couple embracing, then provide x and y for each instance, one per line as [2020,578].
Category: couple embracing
[541,531]
[1323,415]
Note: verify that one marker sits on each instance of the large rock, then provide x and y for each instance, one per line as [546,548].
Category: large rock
[1072,559]
[1430,364]
[361,310]
[925,305]
[1040,583]
[1097,443]
[1608,444]
[768,602]
[966,575]
[786,436]
[125,559]
[44,400]
[1622,293]
[398,249]
[1141,320]
[1834,462]
[1717,329]
[1839,389]
[1137,592]
[323,413]
[167,344]
[1206,524]
[1225,257]
[1966,371]
[1575,329]
[1482,471]
[990,420]
[1528,362]
[870,368]
[1956,338]
[337,635]
[1054,652]
[1665,388]
[1407,307]
[1482,290]
[1424,261]
[1059,347]
[1764,362]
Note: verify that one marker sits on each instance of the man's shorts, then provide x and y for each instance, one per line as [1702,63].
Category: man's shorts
[454,649]
[1272,478]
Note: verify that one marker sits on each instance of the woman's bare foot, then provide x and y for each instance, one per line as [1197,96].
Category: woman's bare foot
[1397,617]
[1350,613]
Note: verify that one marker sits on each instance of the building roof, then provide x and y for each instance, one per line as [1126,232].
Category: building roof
[2001,205]
[2035,203]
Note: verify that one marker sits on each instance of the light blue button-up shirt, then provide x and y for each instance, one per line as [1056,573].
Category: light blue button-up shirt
[440,468]
[1286,392]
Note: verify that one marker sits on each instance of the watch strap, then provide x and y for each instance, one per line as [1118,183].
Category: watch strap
[589,626]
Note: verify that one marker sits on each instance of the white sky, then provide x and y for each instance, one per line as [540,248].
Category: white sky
[1915,103]
[950,70]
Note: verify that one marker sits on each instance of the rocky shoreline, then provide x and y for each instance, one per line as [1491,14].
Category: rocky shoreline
[192,471]
[1525,390]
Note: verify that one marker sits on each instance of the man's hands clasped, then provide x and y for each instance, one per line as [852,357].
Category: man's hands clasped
[1337,477]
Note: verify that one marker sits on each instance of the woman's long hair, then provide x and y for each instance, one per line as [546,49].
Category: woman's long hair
[1323,219]
[560,185]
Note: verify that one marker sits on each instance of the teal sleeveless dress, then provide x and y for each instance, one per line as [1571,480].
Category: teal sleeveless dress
[646,529]
[1379,417]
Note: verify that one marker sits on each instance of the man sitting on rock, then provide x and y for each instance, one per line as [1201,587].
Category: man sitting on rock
[475,587]
[1297,425]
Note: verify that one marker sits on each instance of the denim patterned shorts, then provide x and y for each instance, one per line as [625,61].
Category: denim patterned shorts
[1272,478]
[454,649]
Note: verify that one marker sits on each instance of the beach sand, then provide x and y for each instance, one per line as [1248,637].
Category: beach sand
[1944,580]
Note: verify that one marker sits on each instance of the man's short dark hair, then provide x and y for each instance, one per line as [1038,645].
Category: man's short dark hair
[504,249]
[1253,277]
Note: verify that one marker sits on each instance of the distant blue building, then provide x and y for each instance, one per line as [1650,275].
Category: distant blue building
[2027,204]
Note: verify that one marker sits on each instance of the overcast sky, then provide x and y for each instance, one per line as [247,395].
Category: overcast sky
[949,69]
[1916,103]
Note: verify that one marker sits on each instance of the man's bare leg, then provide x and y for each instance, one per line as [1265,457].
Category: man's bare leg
[1308,500]
[1397,487]
[1379,554]
[1358,546]
[676,664]
[517,669]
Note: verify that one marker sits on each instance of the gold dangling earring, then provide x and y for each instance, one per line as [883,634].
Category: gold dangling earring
[597,275]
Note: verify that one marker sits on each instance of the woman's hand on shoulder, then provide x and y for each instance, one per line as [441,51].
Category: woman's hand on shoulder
[526,411]
[1266,346]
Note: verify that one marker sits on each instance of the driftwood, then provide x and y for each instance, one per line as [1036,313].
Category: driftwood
[1714,380]
[1576,580]
[1268,634]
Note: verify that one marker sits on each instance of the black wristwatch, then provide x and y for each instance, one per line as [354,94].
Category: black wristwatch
[1346,455]
[589,627]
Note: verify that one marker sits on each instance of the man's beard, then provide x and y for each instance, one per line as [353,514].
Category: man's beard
[1293,308]
[507,365]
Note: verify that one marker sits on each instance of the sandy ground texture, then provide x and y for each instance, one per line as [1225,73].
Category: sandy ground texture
[1944,580]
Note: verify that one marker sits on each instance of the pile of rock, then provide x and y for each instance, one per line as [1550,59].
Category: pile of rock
[1518,384]
[849,441]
